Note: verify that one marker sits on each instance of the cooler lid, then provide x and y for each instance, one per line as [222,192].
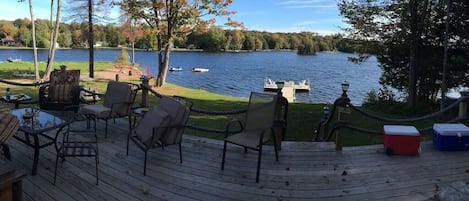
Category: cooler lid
[400,130]
[454,129]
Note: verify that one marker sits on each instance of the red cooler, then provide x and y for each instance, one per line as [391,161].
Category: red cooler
[401,140]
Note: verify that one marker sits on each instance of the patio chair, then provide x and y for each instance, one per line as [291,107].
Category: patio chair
[257,129]
[73,143]
[8,126]
[118,101]
[161,126]
[62,92]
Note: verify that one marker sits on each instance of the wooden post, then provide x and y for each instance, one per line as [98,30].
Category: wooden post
[281,121]
[338,135]
[145,82]
[462,109]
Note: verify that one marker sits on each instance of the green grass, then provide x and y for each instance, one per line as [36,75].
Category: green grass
[303,118]
[7,69]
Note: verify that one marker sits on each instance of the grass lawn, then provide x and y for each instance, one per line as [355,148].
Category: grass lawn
[303,118]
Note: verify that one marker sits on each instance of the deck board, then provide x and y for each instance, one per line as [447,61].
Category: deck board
[305,171]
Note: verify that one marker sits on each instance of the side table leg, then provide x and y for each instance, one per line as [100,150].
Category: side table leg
[36,154]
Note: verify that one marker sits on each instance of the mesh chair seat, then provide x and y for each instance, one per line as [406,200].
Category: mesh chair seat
[248,138]
[257,128]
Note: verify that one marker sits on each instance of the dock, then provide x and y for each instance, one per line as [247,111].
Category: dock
[270,85]
[289,88]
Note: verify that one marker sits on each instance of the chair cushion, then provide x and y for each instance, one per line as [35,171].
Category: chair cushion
[179,114]
[62,84]
[8,126]
[155,118]
[118,93]
[99,111]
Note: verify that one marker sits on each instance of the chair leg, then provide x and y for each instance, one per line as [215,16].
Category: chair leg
[259,157]
[180,152]
[223,157]
[97,161]
[275,147]
[145,164]
[128,139]
[128,136]
[6,151]
[56,164]
[105,130]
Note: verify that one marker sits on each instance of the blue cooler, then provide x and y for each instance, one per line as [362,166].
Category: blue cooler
[451,137]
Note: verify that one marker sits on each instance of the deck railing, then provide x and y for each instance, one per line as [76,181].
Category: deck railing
[327,126]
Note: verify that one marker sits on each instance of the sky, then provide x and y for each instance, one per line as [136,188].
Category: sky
[320,16]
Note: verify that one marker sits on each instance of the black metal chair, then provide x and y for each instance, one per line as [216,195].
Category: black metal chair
[257,129]
[62,91]
[73,142]
[163,125]
[118,101]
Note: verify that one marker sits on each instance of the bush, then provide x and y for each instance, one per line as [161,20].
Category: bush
[123,57]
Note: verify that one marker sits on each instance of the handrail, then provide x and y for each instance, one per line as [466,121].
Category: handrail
[33,84]
[343,124]
[146,87]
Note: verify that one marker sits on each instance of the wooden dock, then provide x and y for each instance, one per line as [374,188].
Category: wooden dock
[305,171]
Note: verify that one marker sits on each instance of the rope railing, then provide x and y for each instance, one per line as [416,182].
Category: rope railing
[32,84]
[322,125]
[146,87]
[449,107]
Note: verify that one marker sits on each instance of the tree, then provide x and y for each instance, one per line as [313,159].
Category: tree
[53,37]
[87,9]
[8,28]
[171,18]
[33,33]
[132,32]
[408,38]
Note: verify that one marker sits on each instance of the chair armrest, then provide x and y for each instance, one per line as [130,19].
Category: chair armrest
[230,124]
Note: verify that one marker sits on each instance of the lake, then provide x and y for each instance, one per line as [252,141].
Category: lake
[238,74]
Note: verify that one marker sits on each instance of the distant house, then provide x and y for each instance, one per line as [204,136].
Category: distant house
[98,44]
[8,41]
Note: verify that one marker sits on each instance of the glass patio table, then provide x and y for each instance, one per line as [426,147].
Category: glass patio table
[34,123]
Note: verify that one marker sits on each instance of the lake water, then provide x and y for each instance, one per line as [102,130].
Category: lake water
[238,74]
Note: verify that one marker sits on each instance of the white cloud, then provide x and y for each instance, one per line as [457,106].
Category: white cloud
[305,23]
[307,4]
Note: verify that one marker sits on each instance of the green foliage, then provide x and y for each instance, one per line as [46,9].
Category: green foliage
[307,48]
[421,31]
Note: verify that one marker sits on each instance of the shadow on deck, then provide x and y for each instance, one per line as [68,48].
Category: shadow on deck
[305,171]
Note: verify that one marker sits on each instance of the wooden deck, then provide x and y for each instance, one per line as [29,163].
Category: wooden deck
[305,171]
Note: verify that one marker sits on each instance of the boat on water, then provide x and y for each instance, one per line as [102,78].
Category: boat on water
[175,69]
[11,59]
[202,70]
[301,86]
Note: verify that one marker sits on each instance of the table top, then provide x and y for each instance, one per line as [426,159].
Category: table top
[17,97]
[34,120]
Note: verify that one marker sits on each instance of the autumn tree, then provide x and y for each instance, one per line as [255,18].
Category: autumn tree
[172,18]
[132,32]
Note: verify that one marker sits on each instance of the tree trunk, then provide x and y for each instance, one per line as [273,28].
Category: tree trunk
[163,68]
[412,99]
[53,41]
[91,38]
[33,27]
[444,88]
